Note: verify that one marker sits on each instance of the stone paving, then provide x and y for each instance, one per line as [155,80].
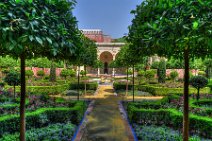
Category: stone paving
[105,122]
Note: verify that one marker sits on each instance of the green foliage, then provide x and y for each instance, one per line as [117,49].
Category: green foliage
[46,90]
[141,73]
[174,75]
[35,119]
[64,73]
[161,71]
[208,64]
[198,82]
[40,73]
[29,73]
[56,132]
[161,91]
[169,117]
[150,74]
[155,65]
[89,86]
[8,62]
[13,79]
[147,133]
[202,73]
[121,86]
[83,73]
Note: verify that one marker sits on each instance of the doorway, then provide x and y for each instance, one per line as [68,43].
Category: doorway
[105,68]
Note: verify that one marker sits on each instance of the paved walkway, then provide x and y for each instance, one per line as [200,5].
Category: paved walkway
[105,123]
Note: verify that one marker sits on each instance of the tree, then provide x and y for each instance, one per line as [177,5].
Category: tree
[174,75]
[198,82]
[13,79]
[86,55]
[29,73]
[161,71]
[126,58]
[208,64]
[149,74]
[173,28]
[34,29]
[65,73]
[40,73]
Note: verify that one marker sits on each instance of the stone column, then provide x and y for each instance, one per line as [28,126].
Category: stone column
[113,72]
[98,70]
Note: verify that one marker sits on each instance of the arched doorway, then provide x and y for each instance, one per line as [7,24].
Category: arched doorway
[106,58]
[106,68]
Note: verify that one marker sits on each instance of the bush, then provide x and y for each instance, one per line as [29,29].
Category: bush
[38,90]
[56,132]
[141,73]
[149,74]
[198,82]
[202,73]
[40,73]
[83,73]
[147,133]
[29,73]
[64,73]
[161,91]
[43,117]
[170,117]
[122,86]
[174,75]
[13,79]
[89,86]
[161,71]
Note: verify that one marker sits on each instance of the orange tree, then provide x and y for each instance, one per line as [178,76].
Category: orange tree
[179,28]
[30,28]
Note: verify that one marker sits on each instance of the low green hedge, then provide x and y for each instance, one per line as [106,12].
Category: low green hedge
[55,132]
[42,117]
[57,89]
[89,86]
[161,91]
[170,117]
[122,86]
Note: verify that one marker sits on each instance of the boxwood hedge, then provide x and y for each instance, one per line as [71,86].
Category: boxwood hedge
[170,117]
[42,117]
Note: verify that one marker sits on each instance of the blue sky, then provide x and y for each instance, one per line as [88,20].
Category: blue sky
[112,16]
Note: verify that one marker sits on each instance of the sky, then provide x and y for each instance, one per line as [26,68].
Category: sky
[112,16]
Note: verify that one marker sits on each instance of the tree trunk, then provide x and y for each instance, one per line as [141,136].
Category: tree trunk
[127,82]
[185,96]
[65,65]
[52,72]
[14,91]
[198,96]
[78,79]
[22,102]
[85,87]
[133,82]
[85,68]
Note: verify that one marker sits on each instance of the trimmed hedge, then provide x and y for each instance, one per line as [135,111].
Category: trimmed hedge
[89,86]
[44,89]
[170,117]
[122,86]
[161,91]
[42,117]
[54,132]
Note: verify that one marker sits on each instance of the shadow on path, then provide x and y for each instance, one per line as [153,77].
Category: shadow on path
[105,123]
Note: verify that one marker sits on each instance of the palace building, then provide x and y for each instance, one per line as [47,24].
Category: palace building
[107,51]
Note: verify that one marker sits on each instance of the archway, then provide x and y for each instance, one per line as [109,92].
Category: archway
[106,58]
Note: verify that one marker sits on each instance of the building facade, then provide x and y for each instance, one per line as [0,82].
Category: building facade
[107,51]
